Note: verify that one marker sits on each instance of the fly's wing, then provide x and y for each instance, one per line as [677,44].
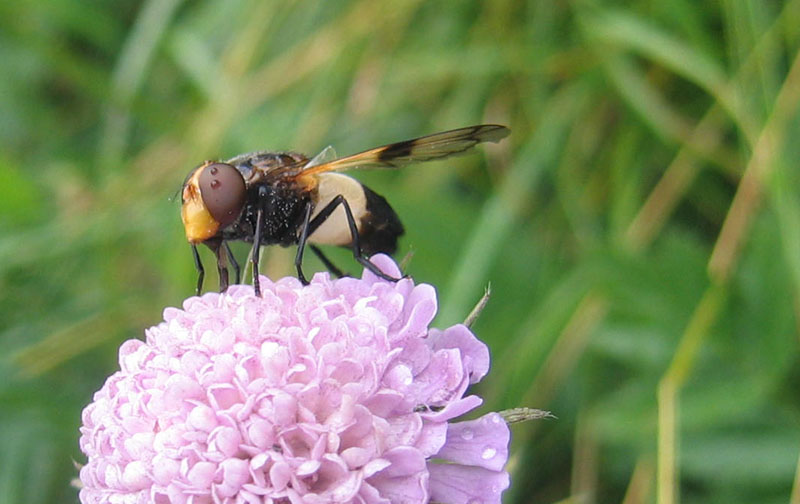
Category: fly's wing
[427,148]
[327,155]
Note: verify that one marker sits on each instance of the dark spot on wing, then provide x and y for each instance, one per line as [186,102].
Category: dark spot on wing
[397,150]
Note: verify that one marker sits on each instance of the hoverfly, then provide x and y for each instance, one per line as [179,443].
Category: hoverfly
[284,198]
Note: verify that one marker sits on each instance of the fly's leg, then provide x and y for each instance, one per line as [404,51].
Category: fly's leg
[351,223]
[262,192]
[301,244]
[216,246]
[235,264]
[201,273]
[327,262]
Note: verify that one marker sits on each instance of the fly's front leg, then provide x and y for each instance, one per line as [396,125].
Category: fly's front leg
[351,223]
[217,247]
[201,273]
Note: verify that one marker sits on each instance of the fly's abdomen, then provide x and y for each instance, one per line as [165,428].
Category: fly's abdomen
[380,227]
[377,224]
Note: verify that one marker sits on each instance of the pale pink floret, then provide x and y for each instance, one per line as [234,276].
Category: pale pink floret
[333,392]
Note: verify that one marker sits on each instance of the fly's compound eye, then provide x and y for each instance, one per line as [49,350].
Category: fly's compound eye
[223,191]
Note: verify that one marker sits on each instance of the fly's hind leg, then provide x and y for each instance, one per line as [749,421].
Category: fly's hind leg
[235,264]
[301,244]
[305,230]
[327,262]
[326,212]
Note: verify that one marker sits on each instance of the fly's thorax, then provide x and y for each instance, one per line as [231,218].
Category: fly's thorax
[257,167]
[283,207]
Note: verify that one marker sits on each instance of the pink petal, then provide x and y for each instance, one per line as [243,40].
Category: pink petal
[222,396]
[180,388]
[458,484]
[424,306]
[403,430]
[431,439]
[202,418]
[201,475]
[345,489]
[235,473]
[165,469]
[134,477]
[375,466]
[453,409]
[474,353]
[441,380]
[370,495]
[410,489]
[130,355]
[404,460]
[481,442]
[261,433]
[383,402]
[356,457]
[308,467]
[285,409]
[279,475]
[385,264]
[226,440]
[416,353]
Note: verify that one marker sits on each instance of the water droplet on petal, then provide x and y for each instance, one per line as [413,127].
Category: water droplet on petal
[488,453]
[467,435]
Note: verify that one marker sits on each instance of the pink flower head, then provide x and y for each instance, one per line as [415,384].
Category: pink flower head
[337,391]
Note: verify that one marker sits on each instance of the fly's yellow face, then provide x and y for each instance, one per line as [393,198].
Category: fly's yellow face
[213,198]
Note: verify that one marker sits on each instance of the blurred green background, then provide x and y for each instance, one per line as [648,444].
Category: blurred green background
[640,227]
